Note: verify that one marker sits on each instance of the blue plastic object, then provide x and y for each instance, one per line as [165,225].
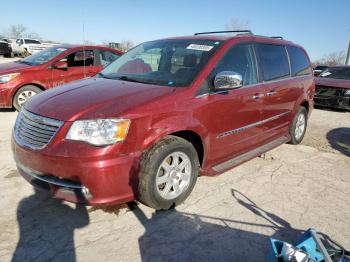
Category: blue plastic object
[309,242]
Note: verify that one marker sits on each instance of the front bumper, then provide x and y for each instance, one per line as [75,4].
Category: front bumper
[93,180]
[6,95]
[332,97]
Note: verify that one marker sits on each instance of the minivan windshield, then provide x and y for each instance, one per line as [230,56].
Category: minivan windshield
[164,62]
[337,73]
[43,56]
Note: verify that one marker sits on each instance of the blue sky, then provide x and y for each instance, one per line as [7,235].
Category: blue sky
[320,26]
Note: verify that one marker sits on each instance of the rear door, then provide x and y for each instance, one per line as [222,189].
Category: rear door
[235,114]
[278,100]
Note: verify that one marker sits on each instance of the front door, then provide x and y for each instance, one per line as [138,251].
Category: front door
[81,64]
[235,114]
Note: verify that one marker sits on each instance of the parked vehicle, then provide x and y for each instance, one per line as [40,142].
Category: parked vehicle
[162,114]
[333,88]
[319,69]
[51,67]
[16,50]
[5,48]
[32,46]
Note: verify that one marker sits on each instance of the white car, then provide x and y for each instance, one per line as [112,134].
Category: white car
[31,46]
[16,50]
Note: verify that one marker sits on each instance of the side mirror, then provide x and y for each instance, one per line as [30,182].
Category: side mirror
[61,65]
[227,80]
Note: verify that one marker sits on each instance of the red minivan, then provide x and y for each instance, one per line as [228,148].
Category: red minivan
[51,67]
[162,114]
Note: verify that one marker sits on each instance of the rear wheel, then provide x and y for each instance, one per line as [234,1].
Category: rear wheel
[169,172]
[298,128]
[23,94]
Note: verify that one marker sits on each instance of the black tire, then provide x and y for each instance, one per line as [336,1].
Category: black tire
[11,55]
[27,88]
[295,138]
[150,164]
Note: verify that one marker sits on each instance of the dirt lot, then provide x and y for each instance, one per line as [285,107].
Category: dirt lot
[226,218]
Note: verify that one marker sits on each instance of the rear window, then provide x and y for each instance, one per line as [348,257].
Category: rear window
[298,61]
[32,41]
[274,61]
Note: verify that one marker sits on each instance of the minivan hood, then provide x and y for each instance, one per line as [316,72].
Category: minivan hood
[12,67]
[93,98]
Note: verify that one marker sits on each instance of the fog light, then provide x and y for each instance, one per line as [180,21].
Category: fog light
[86,192]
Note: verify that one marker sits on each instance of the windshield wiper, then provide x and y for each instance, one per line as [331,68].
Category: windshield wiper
[130,79]
[24,62]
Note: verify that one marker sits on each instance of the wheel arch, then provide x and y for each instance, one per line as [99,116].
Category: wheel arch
[27,84]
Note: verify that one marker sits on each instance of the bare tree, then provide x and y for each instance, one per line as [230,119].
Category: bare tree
[17,31]
[125,45]
[236,24]
[332,59]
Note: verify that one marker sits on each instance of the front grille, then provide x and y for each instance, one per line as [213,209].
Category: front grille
[330,91]
[34,131]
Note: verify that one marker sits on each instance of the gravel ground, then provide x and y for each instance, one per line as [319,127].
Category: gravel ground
[226,218]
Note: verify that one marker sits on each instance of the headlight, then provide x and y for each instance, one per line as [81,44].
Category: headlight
[7,78]
[347,92]
[99,132]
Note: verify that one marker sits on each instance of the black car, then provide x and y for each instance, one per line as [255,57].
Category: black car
[5,48]
[333,88]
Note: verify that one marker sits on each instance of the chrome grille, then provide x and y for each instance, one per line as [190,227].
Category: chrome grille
[34,131]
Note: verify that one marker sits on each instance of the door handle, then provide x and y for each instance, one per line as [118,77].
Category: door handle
[271,93]
[257,96]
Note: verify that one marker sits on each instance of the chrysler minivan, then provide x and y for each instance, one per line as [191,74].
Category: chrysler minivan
[163,114]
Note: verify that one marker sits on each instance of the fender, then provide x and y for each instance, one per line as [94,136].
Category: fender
[170,125]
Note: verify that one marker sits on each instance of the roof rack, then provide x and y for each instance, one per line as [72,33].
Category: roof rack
[224,32]
[277,37]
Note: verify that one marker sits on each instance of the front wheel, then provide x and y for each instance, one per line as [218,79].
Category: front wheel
[298,128]
[23,94]
[169,172]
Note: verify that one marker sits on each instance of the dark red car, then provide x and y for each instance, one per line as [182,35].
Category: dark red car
[162,114]
[49,68]
[333,88]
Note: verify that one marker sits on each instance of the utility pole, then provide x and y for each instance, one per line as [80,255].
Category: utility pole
[347,61]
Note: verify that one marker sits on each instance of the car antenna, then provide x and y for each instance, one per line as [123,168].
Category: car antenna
[84,45]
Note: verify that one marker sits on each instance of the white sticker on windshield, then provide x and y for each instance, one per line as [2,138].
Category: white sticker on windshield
[326,74]
[61,49]
[200,47]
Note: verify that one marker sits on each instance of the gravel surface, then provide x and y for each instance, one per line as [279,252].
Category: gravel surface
[226,218]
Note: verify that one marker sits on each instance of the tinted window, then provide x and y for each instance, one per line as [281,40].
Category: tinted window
[239,59]
[298,61]
[107,57]
[81,58]
[31,41]
[337,73]
[274,61]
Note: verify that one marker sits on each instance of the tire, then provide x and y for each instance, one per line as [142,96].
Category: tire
[11,55]
[155,181]
[298,128]
[23,94]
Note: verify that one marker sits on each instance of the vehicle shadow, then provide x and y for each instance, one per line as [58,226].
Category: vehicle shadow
[339,139]
[181,236]
[47,229]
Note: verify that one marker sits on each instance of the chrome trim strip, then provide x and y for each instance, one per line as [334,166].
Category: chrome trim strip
[240,129]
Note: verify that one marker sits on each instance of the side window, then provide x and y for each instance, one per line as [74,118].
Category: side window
[107,57]
[299,62]
[81,58]
[21,42]
[239,59]
[274,61]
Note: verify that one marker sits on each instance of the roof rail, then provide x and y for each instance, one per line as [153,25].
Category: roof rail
[224,32]
[277,37]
